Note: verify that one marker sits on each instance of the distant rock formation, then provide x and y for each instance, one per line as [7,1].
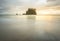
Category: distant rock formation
[31,11]
[16,13]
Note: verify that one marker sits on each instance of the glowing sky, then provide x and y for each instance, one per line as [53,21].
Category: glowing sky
[13,6]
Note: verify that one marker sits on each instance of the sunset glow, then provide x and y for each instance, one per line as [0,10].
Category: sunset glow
[20,6]
[48,11]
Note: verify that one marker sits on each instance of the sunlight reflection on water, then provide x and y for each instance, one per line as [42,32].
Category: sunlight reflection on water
[30,28]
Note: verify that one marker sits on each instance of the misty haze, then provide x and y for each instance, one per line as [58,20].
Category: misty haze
[29,20]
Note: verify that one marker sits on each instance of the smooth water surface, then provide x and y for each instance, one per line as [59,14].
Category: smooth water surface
[29,28]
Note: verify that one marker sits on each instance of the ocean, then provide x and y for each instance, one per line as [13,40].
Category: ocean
[30,28]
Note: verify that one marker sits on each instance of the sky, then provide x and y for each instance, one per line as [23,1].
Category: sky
[20,6]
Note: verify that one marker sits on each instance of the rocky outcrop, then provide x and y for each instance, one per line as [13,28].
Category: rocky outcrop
[31,11]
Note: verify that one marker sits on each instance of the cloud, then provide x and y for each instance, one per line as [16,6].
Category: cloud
[53,2]
[7,5]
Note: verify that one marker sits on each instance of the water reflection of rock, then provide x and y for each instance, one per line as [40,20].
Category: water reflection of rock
[31,17]
[31,20]
[31,25]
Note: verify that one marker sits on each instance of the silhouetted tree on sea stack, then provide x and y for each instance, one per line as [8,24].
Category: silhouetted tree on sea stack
[31,11]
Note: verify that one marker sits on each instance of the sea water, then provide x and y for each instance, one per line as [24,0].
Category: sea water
[29,28]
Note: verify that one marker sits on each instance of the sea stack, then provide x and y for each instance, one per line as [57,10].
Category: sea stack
[31,11]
